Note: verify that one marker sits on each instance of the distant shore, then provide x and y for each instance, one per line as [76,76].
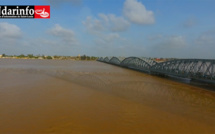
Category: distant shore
[31,56]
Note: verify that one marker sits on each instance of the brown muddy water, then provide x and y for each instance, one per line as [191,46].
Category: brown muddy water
[52,96]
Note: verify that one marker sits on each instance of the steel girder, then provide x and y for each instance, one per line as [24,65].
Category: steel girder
[135,63]
[100,59]
[150,61]
[187,68]
[106,59]
[115,61]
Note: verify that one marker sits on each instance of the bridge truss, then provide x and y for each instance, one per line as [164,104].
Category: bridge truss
[187,68]
[199,69]
[136,63]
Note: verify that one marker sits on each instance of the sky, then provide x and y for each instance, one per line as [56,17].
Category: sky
[143,28]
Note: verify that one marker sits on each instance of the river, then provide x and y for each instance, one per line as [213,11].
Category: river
[63,96]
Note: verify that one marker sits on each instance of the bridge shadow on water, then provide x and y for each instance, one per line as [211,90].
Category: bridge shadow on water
[150,90]
[196,83]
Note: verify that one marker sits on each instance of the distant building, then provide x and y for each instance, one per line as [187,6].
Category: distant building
[0,56]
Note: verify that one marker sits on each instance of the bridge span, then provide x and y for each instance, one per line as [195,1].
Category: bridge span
[193,69]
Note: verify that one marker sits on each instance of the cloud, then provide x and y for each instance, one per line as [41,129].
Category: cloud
[189,23]
[206,39]
[54,41]
[137,13]
[167,42]
[67,36]
[107,39]
[57,2]
[168,46]
[93,25]
[116,24]
[111,37]
[155,37]
[109,45]
[9,31]
[114,45]
[174,42]
[10,35]
[105,29]
[57,40]
[108,22]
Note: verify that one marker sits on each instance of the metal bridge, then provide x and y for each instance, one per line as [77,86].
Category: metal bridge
[197,69]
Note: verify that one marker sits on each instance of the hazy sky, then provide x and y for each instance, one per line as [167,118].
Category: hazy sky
[150,28]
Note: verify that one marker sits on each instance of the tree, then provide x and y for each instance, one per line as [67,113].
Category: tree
[43,57]
[88,57]
[30,56]
[83,57]
[49,57]
[56,57]
[93,58]
[21,56]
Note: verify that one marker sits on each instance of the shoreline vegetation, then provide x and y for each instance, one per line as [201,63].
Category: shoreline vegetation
[56,57]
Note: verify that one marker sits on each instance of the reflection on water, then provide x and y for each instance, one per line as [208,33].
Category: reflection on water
[48,96]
